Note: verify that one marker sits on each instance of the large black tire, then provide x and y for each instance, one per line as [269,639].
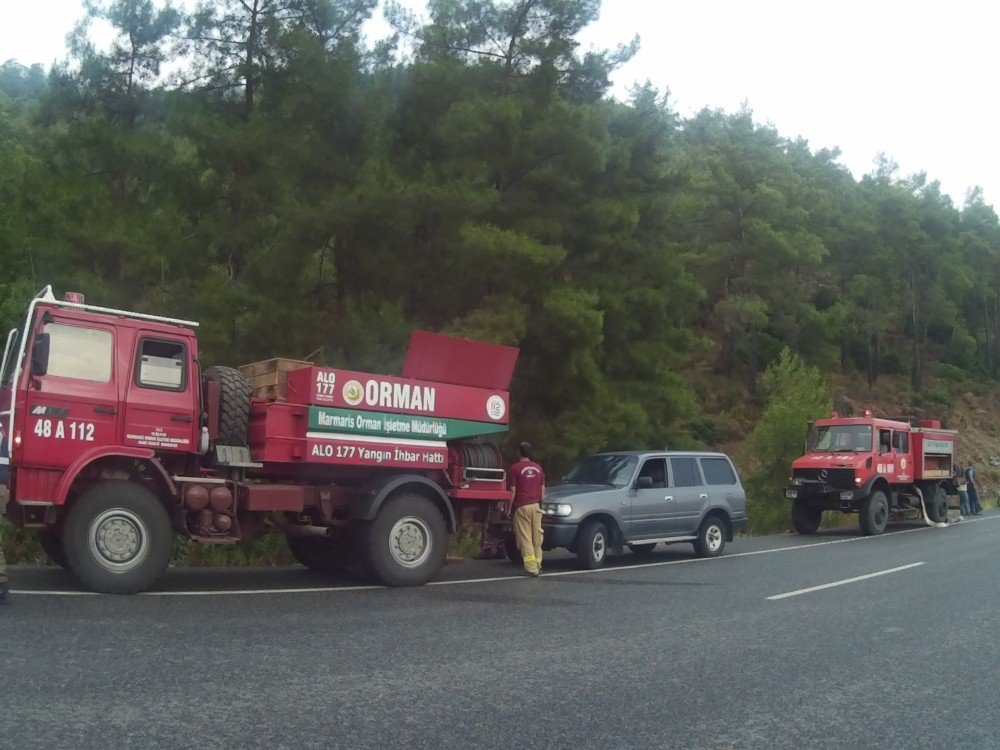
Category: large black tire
[805,518]
[592,545]
[511,549]
[407,543]
[52,544]
[642,549]
[326,556]
[873,513]
[234,404]
[936,502]
[117,537]
[711,537]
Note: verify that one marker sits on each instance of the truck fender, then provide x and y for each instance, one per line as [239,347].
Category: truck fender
[109,451]
[878,482]
[381,489]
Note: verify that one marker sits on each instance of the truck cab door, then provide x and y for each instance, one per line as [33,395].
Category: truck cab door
[70,392]
[904,458]
[161,405]
[885,459]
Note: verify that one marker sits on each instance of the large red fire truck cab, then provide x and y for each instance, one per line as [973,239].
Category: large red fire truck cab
[877,468]
[117,439]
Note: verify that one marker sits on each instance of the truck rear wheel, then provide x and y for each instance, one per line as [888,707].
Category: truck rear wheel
[52,544]
[323,555]
[407,542]
[873,513]
[116,538]
[805,518]
[936,502]
[511,549]
[234,404]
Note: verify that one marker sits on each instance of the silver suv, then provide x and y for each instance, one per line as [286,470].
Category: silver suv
[641,498]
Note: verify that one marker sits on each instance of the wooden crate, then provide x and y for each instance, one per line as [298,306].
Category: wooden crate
[269,377]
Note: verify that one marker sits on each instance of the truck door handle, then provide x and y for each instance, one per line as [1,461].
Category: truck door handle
[105,410]
[703,496]
[668,497]
[181,418]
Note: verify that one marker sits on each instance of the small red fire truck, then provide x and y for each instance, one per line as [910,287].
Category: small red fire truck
[118,439]
[877,468]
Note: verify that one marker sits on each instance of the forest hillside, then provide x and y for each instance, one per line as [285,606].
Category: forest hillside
[261,167]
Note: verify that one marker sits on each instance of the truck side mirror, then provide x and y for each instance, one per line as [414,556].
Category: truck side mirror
[40,355]
[644,483]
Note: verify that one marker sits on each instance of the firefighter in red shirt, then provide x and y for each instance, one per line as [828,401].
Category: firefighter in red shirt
[526,481]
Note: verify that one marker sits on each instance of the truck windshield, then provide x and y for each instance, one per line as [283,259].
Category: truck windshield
[857,438]
[9,357]
[611,469]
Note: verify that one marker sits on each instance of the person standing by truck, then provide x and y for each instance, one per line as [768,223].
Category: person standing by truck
[970,478]
[963,492]
[526,482]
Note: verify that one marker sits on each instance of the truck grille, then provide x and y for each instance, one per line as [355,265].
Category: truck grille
[840,478]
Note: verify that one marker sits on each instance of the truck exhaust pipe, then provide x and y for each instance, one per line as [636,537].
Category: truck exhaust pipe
[301,529]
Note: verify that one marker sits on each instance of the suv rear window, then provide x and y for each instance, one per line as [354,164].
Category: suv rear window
[718,471]
[685,471]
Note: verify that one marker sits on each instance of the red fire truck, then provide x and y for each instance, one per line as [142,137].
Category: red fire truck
[877,468]
[118,439]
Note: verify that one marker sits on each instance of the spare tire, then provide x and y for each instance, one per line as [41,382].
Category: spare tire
[234,404]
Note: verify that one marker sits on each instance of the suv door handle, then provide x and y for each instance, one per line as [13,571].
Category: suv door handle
[181,418]
[703,496]
[105,410]
[668,497]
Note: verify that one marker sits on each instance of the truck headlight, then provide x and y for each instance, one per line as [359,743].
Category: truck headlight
[557,509]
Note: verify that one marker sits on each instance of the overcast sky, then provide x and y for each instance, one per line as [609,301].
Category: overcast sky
[915,80]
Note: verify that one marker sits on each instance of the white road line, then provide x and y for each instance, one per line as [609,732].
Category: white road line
[843,582]
[515,577]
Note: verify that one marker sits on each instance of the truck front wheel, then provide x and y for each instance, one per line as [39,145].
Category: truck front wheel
[407,542]
[873,513]
[805,518]
[116,538]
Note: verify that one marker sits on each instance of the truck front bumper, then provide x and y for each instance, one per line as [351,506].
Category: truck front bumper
[825,497]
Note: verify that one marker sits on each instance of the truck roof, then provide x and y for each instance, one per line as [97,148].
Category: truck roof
[894,424]
[45,298]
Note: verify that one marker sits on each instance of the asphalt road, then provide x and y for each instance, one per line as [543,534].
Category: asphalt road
[670,652]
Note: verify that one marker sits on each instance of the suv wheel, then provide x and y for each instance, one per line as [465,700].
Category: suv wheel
[711,537]
[592,545]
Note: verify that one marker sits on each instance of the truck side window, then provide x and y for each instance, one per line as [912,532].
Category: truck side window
[685,472]
[81,353]
[902,442]
[884,441]
[162,365]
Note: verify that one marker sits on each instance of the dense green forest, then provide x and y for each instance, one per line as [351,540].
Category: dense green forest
[259,166]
